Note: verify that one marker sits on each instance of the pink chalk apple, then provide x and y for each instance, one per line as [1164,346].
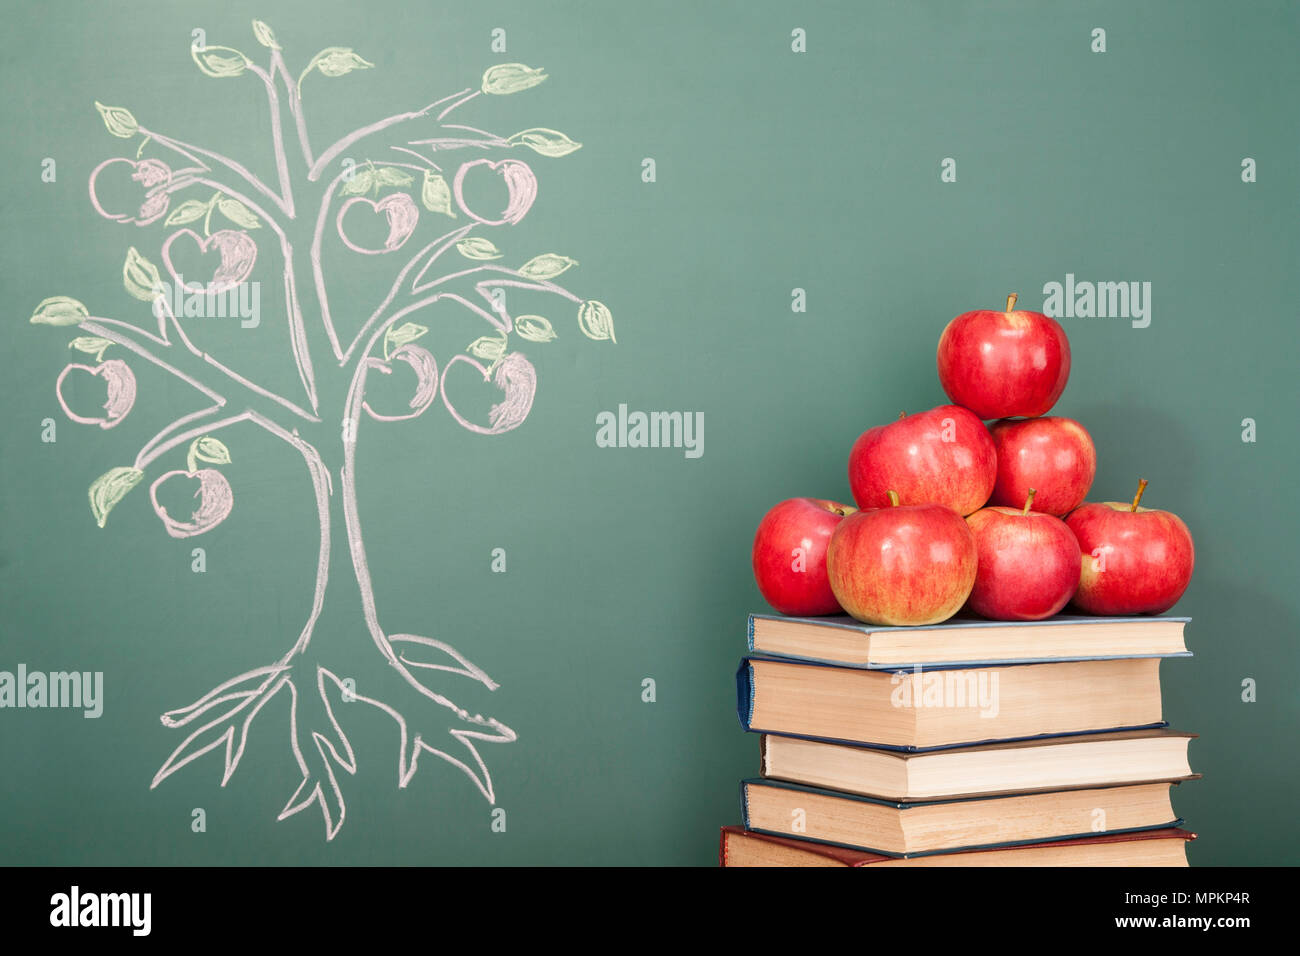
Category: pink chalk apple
[425,367]
[517,380]
[119,378]
[152,174]
[215,502]
[402,215]
[521,186]
[238,254]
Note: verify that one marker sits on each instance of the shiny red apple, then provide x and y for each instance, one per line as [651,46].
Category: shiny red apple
[1028,563]
[1011,364]
[902,565]
[790,555]
[1135,560]
[944,456]
[1054,455]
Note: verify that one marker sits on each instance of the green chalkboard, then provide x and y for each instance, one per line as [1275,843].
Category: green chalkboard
[484,241]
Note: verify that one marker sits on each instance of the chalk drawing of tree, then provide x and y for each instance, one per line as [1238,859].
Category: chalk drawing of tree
[194,188]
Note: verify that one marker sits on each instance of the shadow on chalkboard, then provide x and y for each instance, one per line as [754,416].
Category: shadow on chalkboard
[1229,694]
[1134,443]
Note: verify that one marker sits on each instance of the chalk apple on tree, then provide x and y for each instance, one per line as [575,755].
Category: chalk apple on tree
[120,386]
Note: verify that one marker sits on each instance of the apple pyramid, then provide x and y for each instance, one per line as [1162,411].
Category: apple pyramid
[953,514]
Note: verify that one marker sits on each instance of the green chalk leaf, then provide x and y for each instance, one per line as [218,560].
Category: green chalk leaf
[59,310]
[110,488]
[535,328]
[546,266]
[546,142]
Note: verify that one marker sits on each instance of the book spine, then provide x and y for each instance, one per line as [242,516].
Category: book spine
[750,634]
[745,693]
[744,804]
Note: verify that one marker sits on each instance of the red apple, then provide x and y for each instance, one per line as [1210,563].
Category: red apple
[902,565]
[1135,560]
[790,555]
[1054,455]
[944,456]
[1004,364]
[1028,563]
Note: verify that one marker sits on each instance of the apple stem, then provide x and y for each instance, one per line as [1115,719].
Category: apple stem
[902,415]
[1011,301]
[1142,486]
[893,498]
[1029,500]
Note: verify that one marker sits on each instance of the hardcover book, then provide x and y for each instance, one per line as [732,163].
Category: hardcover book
[1165,847]
[1053,763]
[926,709]
[966,640]
[913,829]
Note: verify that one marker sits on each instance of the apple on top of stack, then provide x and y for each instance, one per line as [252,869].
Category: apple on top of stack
[952,514]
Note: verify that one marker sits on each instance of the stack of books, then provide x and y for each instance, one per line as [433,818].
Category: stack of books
[968,743]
